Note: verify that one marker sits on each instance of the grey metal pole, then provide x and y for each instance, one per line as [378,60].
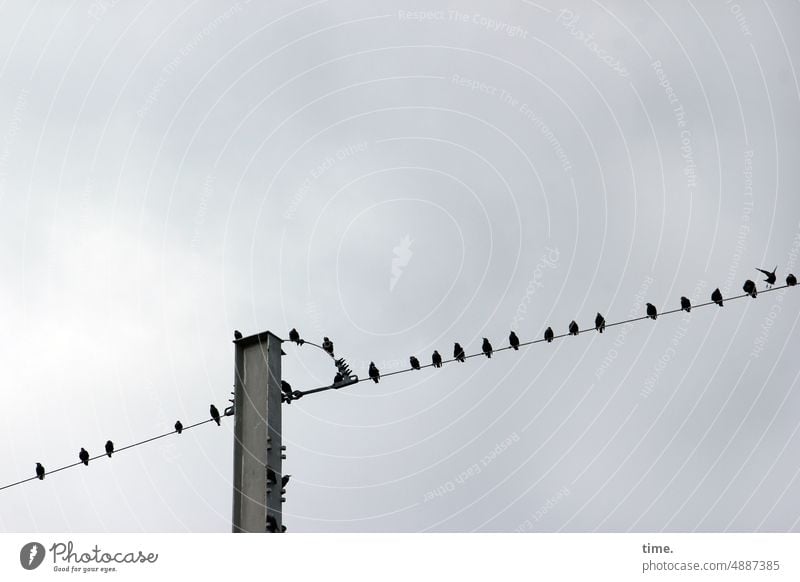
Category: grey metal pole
[257,447]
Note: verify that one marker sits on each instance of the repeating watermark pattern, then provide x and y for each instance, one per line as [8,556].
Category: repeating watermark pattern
[739,16]
[622,334]
[200,214]
[744,226]
[100,7]
[543,510]
[548,260]
[569,21]
[94,560]
[10,136]
[473,470]
[476,18]
[402,257]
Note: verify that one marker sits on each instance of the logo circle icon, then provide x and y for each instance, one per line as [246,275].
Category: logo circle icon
[31,555]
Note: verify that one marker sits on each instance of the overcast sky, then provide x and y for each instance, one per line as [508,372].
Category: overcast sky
[399,177]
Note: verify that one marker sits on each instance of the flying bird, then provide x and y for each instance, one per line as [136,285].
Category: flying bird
[178,426]
[295,337]
[487,348]
[436,358]
[40,471]
[458,353]
[750,288]
[791,280]
[109,448]
[716,297]
[686,305]
[374,372]
[84,456]
[237,335]
[599,323]
[513,340]
[573,328]
[214,413]
[771,278]
[414,362]
[548,334]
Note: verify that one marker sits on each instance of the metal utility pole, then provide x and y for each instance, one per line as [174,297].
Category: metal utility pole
[257,449]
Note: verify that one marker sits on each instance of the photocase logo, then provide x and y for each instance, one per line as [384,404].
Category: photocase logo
[402,256]
[31,555]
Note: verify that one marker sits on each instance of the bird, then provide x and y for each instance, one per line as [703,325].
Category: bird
[599,323]
[548,334]
[84,456]
[573,328]
[286,388]
[272,524]
[40,471]
[237,335]
[327,345]
[458,353]
[716,297]
[750,288]
[436,358]
[791,280]
[414,362]
[374,372]
[770,280]
[294,336]
[513,340]
[178,426]
[686,305]
[652,312]
[285,480]
[214,413]
[272,478]
[109,448]
[487,348]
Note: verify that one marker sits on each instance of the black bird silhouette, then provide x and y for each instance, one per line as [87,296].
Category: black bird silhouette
[286,388]
[327,345]
[716,297]
[487,348]
[414,362]
[686,305]
[295,337]
[513,340]
[458,353]
[599,323]
[109,448]
[285,480]
[652,312]
[374,372]
[771,278]
[237,335]
[750,288]
[84,456]
[214,413]
[791,280]
[40,471]
[548,334]
[272,478]
[178,426]
[272,524]
[573,328]
[436,358]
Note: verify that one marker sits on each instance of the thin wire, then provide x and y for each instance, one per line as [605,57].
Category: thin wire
[126,447]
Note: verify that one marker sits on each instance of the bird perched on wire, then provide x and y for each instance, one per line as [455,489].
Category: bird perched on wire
[652,312]
[294,336]
[548,334]
[414,362]
[436,359]
[109,448]
[40,471]
[214,414]
[750,288]
[458,353]
[599,323]
[327,345]
[487,348]
[84,456]
[686,305]
[374,372]
[237,335]
[178,426]
[513,340]
[791,280]
[286,389]
[716,297]
[771,278]
[573,328]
